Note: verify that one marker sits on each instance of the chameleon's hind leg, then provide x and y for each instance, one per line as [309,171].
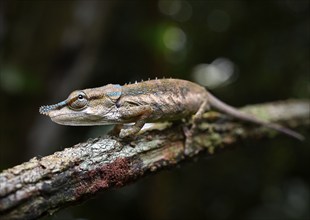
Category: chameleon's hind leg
[198,116]
[189,148]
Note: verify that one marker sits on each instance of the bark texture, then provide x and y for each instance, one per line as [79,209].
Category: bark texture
[44,185]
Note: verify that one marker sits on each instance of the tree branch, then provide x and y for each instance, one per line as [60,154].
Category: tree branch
[45,185]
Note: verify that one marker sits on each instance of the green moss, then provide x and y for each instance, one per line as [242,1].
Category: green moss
[210,141]
[258,112]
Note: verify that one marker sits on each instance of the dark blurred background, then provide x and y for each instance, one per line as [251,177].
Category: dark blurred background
[244,52]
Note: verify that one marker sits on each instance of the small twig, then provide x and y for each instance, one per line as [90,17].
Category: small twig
[45,185]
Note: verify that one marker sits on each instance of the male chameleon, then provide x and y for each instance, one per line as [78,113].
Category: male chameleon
[143,102]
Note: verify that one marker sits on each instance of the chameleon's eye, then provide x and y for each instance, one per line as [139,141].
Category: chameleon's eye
[77,100]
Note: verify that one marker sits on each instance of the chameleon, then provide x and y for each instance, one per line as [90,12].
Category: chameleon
[143,102]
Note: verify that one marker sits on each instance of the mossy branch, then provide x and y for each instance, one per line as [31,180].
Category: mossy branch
[44,185]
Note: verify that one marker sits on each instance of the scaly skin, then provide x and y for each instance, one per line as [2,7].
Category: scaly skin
[148,101]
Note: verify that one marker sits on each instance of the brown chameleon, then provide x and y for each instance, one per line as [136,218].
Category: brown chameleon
[139,103]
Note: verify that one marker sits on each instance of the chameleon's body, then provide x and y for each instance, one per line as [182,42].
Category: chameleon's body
[139,103]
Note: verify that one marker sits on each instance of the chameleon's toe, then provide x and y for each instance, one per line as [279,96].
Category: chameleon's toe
[124,133]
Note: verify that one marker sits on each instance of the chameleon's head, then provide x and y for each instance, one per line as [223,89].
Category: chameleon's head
[86,107]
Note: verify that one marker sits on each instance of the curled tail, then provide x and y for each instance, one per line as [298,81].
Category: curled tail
[221,106]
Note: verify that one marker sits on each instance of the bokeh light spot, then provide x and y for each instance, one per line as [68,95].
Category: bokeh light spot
[179,10]
[11,80]
[169,7]
[218,73]
[174,38]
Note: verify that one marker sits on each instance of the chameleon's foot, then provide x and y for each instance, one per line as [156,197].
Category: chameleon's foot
[128,133]
[188,145]
[124,133]
[127,136]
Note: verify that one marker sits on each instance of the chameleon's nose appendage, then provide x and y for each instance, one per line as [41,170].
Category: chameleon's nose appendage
[45,109]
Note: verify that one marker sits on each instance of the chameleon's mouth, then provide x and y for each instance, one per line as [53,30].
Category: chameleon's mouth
[45,109]
[77,119]
[68,119]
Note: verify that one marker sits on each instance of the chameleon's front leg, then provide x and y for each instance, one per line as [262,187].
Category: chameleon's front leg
[116,129]
[141,113]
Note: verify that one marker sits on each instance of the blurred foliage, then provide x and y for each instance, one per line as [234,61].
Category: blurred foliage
[49,48]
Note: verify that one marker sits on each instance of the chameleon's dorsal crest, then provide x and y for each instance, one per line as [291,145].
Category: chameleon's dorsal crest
[114,91]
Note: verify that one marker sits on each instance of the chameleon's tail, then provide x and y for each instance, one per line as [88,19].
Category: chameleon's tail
[221,106]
